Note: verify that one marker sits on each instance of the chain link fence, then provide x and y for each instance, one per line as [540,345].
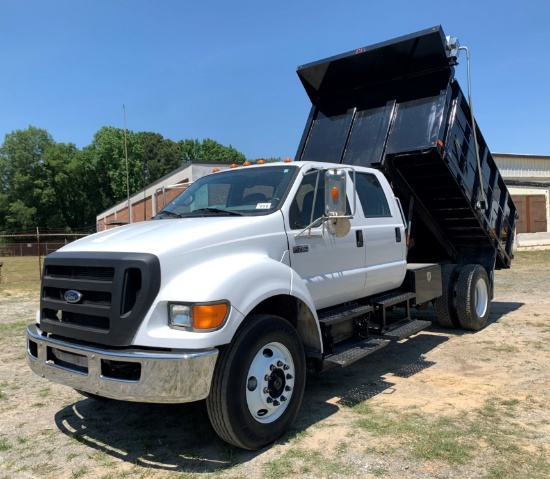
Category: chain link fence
[22,256]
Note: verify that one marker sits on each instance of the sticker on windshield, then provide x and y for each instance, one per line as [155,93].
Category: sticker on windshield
[263,206]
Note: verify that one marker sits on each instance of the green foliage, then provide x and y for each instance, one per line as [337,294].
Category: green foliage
[159,156]
[107,153]
[58,186]
[209,150]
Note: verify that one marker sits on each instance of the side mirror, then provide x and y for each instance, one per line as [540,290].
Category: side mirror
[335,192]
[335,203]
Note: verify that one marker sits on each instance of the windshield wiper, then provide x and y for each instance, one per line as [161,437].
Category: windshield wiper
[170,213]
[217,211]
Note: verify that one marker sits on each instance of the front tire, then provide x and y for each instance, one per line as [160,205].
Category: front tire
[472,297]
[258,383]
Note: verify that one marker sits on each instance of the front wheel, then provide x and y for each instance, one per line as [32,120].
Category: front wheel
[472,299]
[258,383]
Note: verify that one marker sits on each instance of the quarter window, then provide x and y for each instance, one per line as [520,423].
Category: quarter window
[371,195]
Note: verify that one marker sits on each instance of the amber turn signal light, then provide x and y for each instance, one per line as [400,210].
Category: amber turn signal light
[209,316]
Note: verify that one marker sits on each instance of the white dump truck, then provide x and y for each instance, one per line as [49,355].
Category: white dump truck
[256,275]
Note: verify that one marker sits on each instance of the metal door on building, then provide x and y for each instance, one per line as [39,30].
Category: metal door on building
[532,213]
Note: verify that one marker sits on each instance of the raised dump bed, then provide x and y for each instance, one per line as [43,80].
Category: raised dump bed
[396,106]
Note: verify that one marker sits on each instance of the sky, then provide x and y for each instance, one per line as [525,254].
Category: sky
[227,70]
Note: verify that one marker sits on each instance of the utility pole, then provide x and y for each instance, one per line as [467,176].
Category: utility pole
[127,173]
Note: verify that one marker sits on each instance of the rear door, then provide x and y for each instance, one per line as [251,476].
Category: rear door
[383,233]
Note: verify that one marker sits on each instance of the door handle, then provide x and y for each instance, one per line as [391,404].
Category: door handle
[398,235]
[359,238]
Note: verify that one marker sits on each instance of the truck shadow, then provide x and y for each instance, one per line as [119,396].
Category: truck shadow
[179,437]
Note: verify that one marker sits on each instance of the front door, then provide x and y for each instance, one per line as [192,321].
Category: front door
[333,269]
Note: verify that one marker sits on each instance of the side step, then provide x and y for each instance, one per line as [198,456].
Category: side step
[356,351]
[335,316]
[381,303]
[404,328]
[392,299]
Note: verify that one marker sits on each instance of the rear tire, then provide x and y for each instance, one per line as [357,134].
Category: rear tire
[445,305]
[472,298]
[258,383]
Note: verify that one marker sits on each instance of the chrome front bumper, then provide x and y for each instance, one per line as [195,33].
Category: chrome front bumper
[130,375]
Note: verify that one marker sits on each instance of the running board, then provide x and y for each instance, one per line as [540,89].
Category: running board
[345,313]
[404,329]
[356,351]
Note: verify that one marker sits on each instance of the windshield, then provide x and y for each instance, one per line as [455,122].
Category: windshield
[239,192]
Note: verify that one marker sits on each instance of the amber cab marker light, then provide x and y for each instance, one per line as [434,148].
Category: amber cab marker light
[233,165]
[215,170]
[246,163]
[335,193]
[209,316]
[287,160]
[439,142]
[261,161]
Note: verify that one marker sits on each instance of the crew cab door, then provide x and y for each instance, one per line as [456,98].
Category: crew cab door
[383,234]
[333,268]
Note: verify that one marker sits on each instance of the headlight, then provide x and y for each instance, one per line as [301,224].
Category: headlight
[180,316]
[198,316]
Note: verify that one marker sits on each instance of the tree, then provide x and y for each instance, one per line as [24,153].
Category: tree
[107,153]
[72,192]
[209,150]
[190,150]
[22,179]
[159,156]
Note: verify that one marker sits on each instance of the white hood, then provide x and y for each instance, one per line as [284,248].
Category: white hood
[180,236]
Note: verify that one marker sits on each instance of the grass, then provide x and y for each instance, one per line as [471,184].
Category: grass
[18,269]
[4,445]
[12,329]
[506,446]
[299,460]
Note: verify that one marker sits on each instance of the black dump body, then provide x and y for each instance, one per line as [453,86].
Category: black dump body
[396,106]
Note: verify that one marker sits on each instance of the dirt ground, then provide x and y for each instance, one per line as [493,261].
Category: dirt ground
[442,404]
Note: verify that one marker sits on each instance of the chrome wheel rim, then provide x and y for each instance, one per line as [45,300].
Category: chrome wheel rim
[270,382]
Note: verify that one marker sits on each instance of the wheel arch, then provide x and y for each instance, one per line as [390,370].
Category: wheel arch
[296,312]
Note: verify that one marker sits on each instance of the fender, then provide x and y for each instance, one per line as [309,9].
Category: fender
[245,280]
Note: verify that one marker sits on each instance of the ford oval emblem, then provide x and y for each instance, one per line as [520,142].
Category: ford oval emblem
[72,296]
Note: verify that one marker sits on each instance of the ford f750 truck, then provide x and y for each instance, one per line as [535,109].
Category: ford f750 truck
[256,275]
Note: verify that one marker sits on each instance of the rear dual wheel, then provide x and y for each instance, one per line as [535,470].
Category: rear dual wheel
[472,298]
[445,305]
[258,383]
[465,297]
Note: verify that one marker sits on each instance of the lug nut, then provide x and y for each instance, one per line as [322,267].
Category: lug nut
[269,400]
[283,398]
[266,377]
[289,376]
[266,390]
[276,403]
[288,388]
[279,363]
[286,367]
[272,367]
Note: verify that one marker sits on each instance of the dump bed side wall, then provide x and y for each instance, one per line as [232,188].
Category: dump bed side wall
[416,128]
